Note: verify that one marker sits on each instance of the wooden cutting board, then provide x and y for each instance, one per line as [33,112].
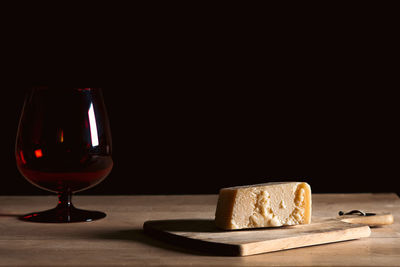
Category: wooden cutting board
[202,235]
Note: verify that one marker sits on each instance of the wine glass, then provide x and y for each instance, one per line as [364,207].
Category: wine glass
[64,145]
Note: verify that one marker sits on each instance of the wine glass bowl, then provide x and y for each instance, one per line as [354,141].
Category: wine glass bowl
[64,146]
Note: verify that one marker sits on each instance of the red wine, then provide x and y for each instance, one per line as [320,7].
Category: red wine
[64,141]
[73,181]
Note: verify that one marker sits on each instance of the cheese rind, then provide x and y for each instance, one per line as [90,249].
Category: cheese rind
[264,205]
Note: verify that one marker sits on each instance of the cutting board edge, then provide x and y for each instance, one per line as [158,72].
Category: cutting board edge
[357,232]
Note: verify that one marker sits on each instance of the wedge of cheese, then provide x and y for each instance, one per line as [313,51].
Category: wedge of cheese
[263,205]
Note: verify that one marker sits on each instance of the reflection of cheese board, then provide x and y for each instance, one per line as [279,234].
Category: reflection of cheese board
[204,235]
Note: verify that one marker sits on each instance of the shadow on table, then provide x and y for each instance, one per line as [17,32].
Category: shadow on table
[138,235]
[154,236]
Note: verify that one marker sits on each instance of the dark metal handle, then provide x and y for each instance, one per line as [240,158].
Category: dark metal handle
[359,212]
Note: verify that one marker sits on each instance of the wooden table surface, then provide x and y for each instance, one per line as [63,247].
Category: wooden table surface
[118,240]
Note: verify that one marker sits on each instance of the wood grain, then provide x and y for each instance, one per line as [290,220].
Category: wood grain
[118,240]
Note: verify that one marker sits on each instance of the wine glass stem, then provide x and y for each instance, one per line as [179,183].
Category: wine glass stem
[65,201]
[64,212]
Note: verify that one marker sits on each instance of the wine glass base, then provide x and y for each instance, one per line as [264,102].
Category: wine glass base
[59,215]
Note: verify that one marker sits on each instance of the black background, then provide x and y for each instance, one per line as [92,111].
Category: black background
[195,107]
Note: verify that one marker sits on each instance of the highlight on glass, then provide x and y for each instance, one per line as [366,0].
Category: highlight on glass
[64,146]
